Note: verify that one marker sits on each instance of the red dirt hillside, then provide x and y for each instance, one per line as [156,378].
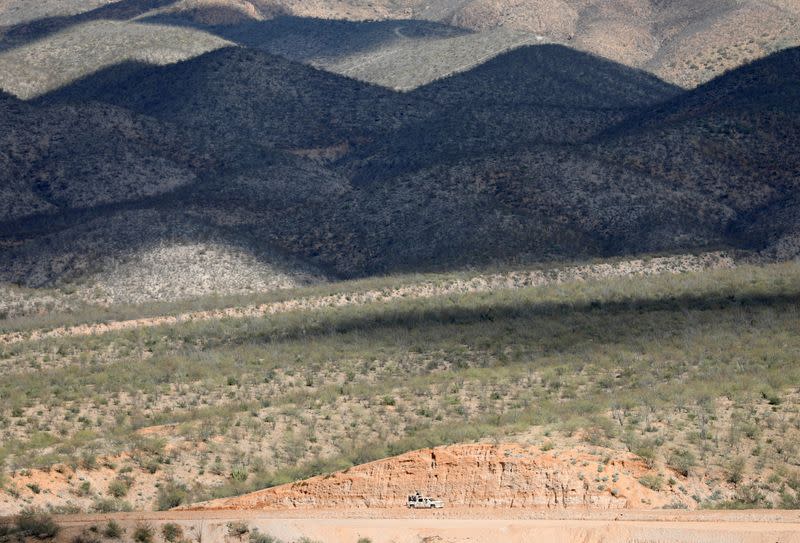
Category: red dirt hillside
[477,475]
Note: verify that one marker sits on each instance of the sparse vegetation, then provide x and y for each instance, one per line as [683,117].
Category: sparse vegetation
[483,359]
[155,168]
[238,529]
[36,523]
[143,533]
[171,494]
[171,532]
[112,530]
[653,482]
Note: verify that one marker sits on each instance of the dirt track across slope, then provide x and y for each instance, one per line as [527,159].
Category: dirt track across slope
[481,283]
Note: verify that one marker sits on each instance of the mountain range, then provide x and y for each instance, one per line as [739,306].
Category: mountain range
[231,128]
[406,43]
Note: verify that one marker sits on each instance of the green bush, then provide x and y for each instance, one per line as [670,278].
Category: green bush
[747,497]
[237,529]
[171,495]
[117,488]
[258,537]
[653,482]
[171,532]
[36,523]
[111,505]
[735,470]
[789,500]
[143,533]
[682,461]
[239,473]
[86,537]
[112,530]
[646,450]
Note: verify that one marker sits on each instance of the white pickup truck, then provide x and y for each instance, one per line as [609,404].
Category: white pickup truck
[415,501]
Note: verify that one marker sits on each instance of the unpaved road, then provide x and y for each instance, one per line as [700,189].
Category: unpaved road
[474,526]
[481,283]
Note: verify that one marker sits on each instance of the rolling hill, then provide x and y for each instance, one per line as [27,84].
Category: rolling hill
[559,155]
[398,44]
[685,42]
[735,139]
[341,210]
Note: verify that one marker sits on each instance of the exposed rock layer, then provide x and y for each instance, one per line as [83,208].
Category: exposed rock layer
[475,475]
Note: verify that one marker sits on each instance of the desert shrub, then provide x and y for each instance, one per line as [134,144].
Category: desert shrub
[86,537]
[171,495]
[171,532]
[772,397]
[237,529]
[682,461]
[651,481]
[111,505]
[364,540]
[643,448]
[239,473]
[789,500]
[112,530]
[88,460]
[5,532]
[36,523]
[258,537]
[735,470]
[117,488]
[747,497]
[65,509]
[143,533]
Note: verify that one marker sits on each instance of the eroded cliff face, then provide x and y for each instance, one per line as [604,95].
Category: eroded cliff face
[475,475]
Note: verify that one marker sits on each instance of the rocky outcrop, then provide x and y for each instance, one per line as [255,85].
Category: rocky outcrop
[475,475]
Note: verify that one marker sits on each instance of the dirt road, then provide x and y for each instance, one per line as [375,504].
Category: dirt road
[474,526]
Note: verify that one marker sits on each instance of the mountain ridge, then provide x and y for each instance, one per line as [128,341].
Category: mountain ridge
[526,179]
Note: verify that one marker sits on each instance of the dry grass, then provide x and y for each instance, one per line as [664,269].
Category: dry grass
[703,363]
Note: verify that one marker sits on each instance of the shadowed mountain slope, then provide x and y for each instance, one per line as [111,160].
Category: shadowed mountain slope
[235,93]
[66,157]
[736,139]
[551,75]
[546,94]
[90,190]
[514,160]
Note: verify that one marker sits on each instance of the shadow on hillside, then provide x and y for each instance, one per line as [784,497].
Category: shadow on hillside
[90,86]
[553,75]
[24,33]
[409,161]
[306,39]
[771,82]
[611,315]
